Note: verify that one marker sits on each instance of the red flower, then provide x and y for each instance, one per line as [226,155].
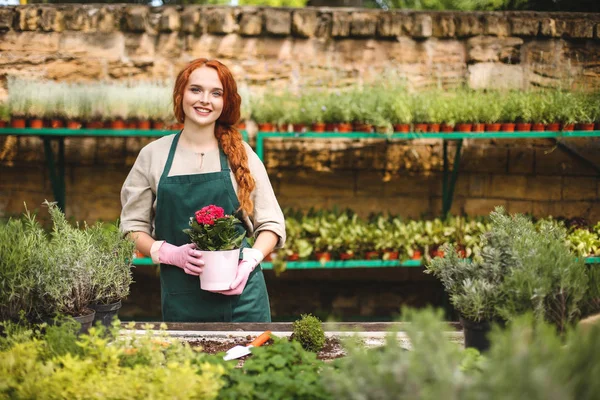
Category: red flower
[207,215]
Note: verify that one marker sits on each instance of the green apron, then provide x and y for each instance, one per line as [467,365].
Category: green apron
[182,300]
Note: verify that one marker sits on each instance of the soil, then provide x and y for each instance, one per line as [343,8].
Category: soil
[331,350]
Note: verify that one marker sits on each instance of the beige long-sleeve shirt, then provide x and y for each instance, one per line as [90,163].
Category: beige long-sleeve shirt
[138,195]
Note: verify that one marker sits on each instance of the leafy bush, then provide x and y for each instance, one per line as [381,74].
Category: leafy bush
[283,370]
[431,370]
[98,370]
[113,254]
[308,331]
[23,249]
[530,357]
[520,269]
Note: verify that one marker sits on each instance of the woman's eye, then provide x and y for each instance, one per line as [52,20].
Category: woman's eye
[217,94]
[195,90]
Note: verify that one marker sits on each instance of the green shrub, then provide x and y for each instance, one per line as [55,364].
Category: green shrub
[308,331]
[530,357]
[23,249]
[521,268]
[283,370]
[430,370]
[99,370]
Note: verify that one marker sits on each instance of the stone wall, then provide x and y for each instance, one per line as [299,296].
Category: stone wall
[269,48]
[307,46]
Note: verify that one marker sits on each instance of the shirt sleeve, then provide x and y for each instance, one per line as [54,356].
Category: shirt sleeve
[138,196]
[267,214]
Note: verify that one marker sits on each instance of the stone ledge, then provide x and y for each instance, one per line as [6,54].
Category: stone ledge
[299,22]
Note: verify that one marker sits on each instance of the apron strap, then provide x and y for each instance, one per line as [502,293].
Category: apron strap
[169,162]
[223,159]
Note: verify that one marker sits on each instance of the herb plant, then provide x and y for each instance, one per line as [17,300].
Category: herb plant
[309,332]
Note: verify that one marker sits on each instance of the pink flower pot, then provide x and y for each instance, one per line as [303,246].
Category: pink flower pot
[220,268]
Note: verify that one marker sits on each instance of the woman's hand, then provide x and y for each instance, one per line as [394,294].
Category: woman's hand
[251,258]
[185,257]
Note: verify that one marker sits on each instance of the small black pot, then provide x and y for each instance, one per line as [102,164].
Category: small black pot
[106,312]
[85,321]
[476,333]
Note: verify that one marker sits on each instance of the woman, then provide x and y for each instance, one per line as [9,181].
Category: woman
[176,175]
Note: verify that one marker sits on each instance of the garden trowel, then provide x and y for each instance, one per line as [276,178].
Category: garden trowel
[240,351]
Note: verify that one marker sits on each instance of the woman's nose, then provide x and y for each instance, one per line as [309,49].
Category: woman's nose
[204,97]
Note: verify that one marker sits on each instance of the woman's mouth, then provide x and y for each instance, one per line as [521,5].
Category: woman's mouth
[202,111]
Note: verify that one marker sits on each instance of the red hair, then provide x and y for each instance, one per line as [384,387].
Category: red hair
[230,139]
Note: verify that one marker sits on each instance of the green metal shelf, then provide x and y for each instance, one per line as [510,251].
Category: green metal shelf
[448,177]
[65,132]
[342,264]
[420,135]
[86,132]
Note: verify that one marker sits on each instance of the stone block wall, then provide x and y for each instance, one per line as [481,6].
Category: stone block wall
[269,48]
[277,47]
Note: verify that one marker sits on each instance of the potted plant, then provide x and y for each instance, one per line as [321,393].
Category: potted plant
[95,106]
[540,109]
[23,249]
[112,274]
[338,113]
[73,98]
[474,287]
[490,110]
[18,101]
[161,111]
[67,274]
[520,268]
[511,108]
[547,280]
[55,112]
[266,112]
[429,110]
[219,238]
[462,111]
[117,106]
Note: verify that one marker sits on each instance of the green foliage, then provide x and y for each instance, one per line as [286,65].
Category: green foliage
[23,245]
[547,280]
[61,273]
[69,268]
[530,357]
[222,235]
[283,370]
[521,268]
[267,108]
[431,370]
[98,369]
[308,331]
[113,255]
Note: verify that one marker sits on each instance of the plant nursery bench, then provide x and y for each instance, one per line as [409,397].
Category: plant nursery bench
[56,162]
[448,177]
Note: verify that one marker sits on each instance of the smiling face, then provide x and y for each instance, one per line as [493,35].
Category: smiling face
[203,97]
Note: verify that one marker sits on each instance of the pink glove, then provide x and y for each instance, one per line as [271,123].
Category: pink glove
[184,257]
[251,258]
